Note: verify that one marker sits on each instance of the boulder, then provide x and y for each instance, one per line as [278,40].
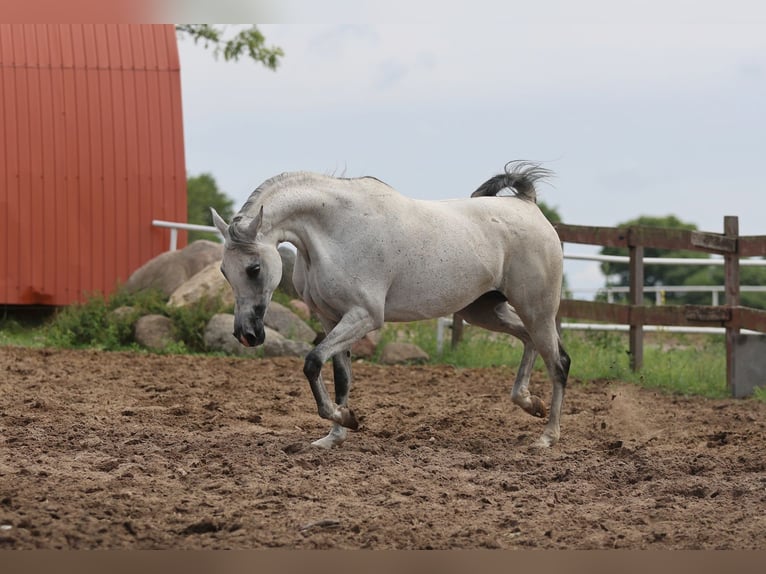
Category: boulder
[209,282]
[300,308]
[394,353]
[218,336]
[287,323]
[154,332]
[169,270]
[124,313]
[276,345]
[365,348]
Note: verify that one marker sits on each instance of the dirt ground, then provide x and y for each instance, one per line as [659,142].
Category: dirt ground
[138,451]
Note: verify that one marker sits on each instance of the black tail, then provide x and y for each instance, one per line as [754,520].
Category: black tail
[520,177]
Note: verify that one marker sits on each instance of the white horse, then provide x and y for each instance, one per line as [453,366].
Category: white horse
[367,254]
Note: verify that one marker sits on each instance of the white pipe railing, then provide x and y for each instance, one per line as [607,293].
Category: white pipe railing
[444,323]
[660,291]
[663,260]
[174,227]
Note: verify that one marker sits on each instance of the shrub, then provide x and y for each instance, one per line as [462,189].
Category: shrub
[94,323]
[190,322]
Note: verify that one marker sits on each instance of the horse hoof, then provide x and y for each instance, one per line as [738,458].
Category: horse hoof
[543,442]
[336,437]
[325,443]
[537,409]
[348,419]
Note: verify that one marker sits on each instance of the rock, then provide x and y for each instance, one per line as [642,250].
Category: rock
[218,336]
[209,282]
[287,323]
[394,353]
[124,313]
[276,345]
[301,309]
[366,346]
[169,270]
[154,332]
[288,265]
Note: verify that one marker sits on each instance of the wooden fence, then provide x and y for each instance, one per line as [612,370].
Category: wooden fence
[731,315]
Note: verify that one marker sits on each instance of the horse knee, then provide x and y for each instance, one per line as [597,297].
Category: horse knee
[312,366]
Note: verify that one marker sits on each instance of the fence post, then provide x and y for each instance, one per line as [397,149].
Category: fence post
[731,286]
[457,330]
[636,253]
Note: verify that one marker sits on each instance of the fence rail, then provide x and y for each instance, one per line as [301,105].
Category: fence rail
[731,316]
[174,227]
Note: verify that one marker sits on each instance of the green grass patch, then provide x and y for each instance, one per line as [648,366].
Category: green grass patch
[19,334]
[674,363]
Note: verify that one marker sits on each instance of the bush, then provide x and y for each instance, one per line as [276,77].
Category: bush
[190,322]
[95,323]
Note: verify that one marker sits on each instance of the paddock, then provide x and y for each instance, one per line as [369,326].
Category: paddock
[140,451]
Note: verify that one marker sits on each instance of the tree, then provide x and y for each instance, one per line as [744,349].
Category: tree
[202,194]
[715,276]
[247,42]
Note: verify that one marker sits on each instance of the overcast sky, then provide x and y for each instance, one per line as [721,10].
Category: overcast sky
[637,111]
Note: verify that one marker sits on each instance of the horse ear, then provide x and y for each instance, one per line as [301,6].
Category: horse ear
[255,224]
[219,222]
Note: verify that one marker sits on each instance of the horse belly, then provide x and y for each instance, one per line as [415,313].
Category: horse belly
[415,296]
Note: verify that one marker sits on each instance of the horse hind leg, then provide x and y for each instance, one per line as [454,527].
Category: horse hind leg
[491,311]
[557,362]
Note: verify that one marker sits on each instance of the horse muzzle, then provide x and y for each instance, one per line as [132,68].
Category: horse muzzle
[250,335]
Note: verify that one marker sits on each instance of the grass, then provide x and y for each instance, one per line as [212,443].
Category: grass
[17,333]
[694,365]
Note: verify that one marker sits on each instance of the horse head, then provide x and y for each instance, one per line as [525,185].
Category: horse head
[253,268]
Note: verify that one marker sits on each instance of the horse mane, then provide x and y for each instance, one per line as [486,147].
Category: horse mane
[237,234]
[519,176]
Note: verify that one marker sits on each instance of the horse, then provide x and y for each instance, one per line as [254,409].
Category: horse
[367,255]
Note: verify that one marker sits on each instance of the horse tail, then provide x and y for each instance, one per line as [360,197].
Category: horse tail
[520,177]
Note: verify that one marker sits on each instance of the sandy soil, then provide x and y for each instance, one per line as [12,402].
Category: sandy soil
[120,450]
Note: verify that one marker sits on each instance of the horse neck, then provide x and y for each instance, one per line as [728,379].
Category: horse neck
[294,214]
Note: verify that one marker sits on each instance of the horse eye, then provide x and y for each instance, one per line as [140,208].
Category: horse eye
[253,270]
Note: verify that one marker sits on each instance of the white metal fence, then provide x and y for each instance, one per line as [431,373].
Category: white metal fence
[174,227]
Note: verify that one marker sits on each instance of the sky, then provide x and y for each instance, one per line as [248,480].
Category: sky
[640,108]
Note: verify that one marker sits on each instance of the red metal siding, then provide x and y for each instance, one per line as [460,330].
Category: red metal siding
[91,150]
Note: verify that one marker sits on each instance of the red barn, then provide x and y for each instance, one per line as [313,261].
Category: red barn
[91,151]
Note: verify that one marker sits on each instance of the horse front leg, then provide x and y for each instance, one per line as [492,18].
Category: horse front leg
[341,364]
[353,326]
